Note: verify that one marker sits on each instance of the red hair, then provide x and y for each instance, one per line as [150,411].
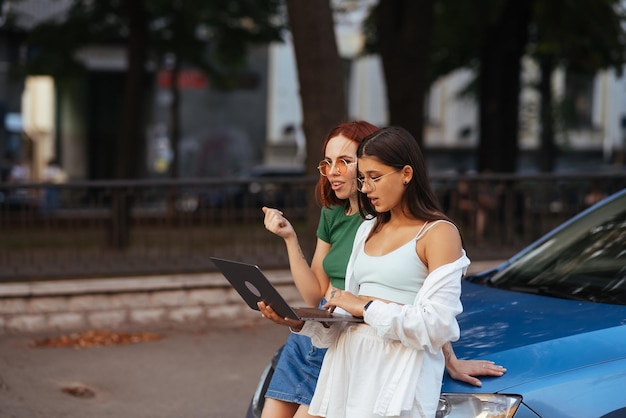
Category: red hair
[355,131]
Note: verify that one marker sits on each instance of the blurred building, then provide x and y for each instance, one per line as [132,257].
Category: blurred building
[27,107]
[594,137]
[260,123]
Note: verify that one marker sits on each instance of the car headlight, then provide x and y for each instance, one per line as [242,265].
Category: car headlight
[477,405]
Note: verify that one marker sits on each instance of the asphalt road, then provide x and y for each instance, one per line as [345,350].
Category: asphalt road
[196,372]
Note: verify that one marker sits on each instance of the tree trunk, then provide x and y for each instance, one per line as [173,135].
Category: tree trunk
[130,133]
[547,151]
[174,134]
[175,117]
[127,142]
[499,88]
[321,83]
[404,33]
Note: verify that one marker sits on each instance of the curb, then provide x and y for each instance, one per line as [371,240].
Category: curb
[115,303]
[74,305]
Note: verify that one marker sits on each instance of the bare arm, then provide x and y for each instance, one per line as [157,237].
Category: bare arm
[438,252]
[311,281]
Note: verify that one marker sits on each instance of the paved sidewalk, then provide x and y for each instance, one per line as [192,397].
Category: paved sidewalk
[191,372]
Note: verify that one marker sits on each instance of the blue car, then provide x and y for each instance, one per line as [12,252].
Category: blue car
[555,316]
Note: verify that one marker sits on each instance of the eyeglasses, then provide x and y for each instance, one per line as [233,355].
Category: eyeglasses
[341,167]
[370,181]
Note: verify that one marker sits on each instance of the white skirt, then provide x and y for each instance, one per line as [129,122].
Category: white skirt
[364,375]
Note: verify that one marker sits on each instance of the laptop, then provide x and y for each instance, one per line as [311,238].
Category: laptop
[253,286]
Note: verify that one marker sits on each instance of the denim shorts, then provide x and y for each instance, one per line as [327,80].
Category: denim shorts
[297,371]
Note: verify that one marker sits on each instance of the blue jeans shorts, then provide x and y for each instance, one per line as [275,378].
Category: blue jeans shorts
[297,371]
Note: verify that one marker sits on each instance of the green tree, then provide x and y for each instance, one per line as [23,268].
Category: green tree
[404,34]
[400,31]
[211,35]
[320,79]
[581,40]
[491,38]
[319,72]
[503,45]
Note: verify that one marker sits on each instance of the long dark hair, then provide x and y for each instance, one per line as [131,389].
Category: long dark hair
[396,147]
[355,131]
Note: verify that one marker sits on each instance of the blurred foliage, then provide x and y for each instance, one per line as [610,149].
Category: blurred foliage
[211,35]
[584,36]
[581,37]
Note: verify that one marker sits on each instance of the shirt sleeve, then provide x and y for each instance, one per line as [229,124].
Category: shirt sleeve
[323,227]
[430,321]
[322,337]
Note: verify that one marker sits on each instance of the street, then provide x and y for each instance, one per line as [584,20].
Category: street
[192,373]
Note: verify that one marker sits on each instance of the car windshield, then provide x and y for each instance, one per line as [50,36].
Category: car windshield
[584,261]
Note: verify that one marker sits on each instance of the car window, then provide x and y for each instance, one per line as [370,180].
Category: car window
[584,261]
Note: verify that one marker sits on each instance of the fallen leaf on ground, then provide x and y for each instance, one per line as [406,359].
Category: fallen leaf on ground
[96,338]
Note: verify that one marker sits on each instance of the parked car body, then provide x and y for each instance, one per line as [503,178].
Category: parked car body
[555,316]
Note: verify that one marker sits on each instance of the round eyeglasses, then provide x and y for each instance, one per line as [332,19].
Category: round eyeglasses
[341,167]
[370,181]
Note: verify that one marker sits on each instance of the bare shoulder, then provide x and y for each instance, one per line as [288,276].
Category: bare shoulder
[444,229]
[442,244]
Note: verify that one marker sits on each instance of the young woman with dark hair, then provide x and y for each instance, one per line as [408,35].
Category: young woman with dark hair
[294,380]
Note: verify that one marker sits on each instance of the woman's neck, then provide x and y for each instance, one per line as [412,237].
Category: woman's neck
[400,216]
[353,207]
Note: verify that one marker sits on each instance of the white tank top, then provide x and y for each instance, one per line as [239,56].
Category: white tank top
[396,276]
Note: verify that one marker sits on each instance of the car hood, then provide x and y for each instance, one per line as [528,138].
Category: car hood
[534,336]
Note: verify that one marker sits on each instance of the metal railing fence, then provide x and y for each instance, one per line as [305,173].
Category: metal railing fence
[124,228]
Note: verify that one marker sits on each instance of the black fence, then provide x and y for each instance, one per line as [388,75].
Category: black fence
[123,228]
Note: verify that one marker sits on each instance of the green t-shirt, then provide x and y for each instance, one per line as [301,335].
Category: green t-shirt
[339,231]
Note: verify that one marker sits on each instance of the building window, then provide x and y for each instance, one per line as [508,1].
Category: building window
[578,101]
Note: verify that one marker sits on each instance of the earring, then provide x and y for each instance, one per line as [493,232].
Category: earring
[405,182]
